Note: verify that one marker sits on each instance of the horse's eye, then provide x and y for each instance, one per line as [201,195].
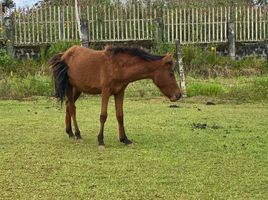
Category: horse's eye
[169,62]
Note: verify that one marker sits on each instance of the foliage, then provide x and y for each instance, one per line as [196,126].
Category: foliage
[250,63]
[181,3]
[25,67]
[7,3]
[204,89]
[7,63]
[16,87]
[241,89]
[25,78]
[60,47]
[22,68]
[205,62]
[163,48]
[249,90]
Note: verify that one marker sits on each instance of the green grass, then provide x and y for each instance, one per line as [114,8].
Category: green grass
[170,160]
[240,89]
[17,87]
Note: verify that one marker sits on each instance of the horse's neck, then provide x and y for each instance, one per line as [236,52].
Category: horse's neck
[139,71]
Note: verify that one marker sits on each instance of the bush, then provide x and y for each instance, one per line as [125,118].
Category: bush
[249,66]
[164,48]
[24,78]
[204,89]
[7,62]
[249,90]
[206,63]
[5,58]
[17,87]
[60,47]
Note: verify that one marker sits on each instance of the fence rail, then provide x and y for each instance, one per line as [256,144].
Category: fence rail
[137,22]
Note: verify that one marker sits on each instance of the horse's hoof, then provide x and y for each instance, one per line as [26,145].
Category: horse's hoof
[126,141]
[78,136]
[101,147]
[79,140]
[131,145]
[71,137]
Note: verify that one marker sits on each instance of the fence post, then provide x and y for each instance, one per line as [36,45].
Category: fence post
[231,33]
[62,26]
[159,34]
[159,30]
[9,34]
[77,17]
[266,48]
[84,31]
[181,70]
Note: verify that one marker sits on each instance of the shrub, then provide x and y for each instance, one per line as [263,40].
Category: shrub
[7,62]
[204,89]
[206,63]
[249,66]
[253,90]
[5,58]
[17,87]
[60,47]
[164,48]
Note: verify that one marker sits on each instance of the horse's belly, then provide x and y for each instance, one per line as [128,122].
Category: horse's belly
[85,86]
[92,90]
[89,89]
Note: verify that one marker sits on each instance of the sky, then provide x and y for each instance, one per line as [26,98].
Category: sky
[24,3]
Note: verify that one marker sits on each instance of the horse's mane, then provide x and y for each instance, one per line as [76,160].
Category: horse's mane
[133,51]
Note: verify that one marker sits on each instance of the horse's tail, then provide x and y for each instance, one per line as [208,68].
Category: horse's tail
[60,76]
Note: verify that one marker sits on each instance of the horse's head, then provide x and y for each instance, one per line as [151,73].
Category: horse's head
[164,79]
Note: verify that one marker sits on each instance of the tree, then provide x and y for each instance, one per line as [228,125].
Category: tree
[260,2]
[8,3]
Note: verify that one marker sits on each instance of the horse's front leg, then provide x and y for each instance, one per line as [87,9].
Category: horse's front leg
[103,116]
[120,117]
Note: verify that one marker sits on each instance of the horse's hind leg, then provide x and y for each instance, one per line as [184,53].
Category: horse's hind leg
[68,122]
[72,95]
[76,94]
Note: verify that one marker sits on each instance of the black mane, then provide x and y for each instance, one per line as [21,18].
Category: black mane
[134,52]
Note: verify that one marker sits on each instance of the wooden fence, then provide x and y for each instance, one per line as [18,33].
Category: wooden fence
[136,22]
[210,25]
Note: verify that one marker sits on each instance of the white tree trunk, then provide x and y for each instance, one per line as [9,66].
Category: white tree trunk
[181,69]
[78,21]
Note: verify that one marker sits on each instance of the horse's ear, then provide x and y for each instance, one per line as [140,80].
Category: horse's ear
[169,55]
[107,47]
[168,58]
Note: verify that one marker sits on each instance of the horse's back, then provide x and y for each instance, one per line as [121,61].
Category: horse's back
[85,68]
[77,54]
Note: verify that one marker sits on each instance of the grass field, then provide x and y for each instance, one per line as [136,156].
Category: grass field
[194,151]
[239,89]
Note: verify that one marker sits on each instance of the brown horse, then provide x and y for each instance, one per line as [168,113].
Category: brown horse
[108,72]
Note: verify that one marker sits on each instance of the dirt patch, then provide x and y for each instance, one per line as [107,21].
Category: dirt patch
[210,103]
[205,125]
[199,125]
[174,106]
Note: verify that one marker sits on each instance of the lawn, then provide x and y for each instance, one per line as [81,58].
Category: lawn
[193,151]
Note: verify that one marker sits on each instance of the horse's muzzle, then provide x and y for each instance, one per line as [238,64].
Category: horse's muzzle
[175,97]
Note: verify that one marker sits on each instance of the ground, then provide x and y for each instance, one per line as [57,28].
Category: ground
[192,151]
